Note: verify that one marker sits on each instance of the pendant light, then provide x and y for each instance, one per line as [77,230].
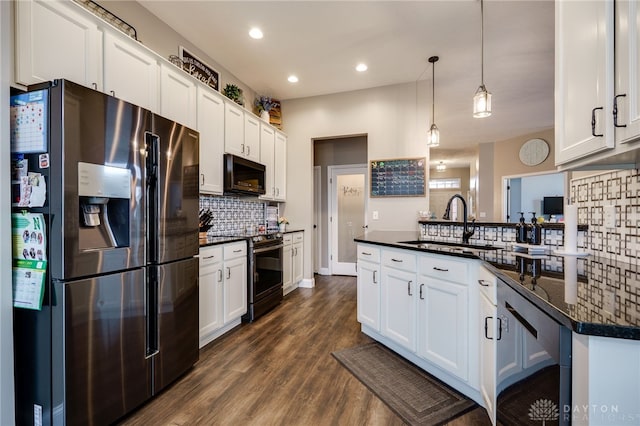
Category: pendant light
[434,134]
[441,167]
[482,98]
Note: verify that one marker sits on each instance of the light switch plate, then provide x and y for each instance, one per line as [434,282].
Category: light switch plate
[609,216]
[376,216]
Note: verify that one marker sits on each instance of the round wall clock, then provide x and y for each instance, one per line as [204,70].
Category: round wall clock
[534,152]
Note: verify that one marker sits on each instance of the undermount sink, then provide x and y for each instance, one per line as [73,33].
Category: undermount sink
[451,247]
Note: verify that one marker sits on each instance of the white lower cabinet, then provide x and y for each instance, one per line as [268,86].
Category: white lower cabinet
[222,289]
[297,270]
[398,306]
[287,264]
[368,311]
[490,330]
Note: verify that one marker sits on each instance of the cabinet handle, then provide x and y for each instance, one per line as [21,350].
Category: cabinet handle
[228,272]
[202,174]
[615,111]
[482,283]
[374,277]
[113,93]
[242,148]
[248,149]
[95,86]
[209,257]
[409,288]
[486,328]
[593,121]
[219,275]
[421,286]
[397,260]
[237,251]
[440,269]
[365,253]
[278,191]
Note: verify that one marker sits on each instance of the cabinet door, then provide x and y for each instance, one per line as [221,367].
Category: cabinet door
[210,291]
[267,145]
[287,268]
[488,337]
[627,47]
[298,262]
[280,167]
[443,334]
[369,294]
[398,309]
[235,288]
[54,40]
[233,129]
[210,124]
[251,137]
[177,95]
[130,71]
[509,352]
[584,79]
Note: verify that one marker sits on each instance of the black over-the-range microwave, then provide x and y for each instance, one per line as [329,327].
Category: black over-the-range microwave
[242,176]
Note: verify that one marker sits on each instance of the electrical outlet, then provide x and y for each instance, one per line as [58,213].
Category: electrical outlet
[609,216]
[376,216]
[609,301]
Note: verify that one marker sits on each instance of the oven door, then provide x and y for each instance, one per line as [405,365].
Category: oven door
[533,373]
[267,272]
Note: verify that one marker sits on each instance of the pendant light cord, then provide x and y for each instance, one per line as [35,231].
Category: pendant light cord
[482,42]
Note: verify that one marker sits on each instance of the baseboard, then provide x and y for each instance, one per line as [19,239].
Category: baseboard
[307,283]
[324,271]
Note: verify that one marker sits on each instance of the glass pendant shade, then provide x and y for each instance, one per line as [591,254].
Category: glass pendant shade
[441,167]
[482,103]
[434,136]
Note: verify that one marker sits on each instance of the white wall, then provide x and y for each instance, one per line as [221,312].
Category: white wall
[395,121]
[6,309]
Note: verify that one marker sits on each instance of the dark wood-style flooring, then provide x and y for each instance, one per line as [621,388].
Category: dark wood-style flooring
[279,371]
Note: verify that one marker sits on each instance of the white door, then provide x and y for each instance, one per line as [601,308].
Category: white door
[347,207]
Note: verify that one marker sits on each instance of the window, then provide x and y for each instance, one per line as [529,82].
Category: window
[444,183]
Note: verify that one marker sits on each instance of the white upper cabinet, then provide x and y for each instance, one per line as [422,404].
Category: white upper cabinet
[55,40]
[280,167]
[177,95]
[627,89]
[210,109]
[267,152]
[233,129]
[584,79]
[130,71]
[251,136]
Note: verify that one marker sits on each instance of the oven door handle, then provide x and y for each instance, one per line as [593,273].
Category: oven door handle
[266,249]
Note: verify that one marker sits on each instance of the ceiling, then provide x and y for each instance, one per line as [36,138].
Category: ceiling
[322,41]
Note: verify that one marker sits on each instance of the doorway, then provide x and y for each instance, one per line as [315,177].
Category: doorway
[525,193]
[347,215]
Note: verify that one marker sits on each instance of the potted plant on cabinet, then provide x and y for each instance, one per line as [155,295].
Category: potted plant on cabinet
[234,93]
[282,222]
[263,105]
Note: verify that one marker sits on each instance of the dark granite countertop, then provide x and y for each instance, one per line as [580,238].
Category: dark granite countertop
[548,225]
[213,241]
[603,299]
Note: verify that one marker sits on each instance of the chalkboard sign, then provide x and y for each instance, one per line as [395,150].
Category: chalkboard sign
[403,177]
[203,72]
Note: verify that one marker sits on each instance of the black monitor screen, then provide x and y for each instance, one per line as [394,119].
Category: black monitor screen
[552,205]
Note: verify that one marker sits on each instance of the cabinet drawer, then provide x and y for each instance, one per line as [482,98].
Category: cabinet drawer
[297,237]
[399,260]
[210,255]
[233,250]
[487,282]
[444,267]
[287,238]
[368,253]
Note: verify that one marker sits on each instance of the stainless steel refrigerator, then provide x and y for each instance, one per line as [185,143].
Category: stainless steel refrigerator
[119,320]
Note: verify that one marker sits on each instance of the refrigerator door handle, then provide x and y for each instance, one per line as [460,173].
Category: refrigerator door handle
[153,153]
[151,309]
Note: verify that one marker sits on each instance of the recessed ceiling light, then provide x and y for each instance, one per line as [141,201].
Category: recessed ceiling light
[292,79]
[361,67]
[255,33]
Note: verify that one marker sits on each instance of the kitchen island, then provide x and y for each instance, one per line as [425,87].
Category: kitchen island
[605,360]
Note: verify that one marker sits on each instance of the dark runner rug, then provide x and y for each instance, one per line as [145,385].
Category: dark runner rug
[414,395]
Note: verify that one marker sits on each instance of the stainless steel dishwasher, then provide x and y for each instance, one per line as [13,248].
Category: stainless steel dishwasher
[533,374]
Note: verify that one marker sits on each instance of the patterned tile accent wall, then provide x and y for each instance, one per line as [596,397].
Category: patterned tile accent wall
[620,189]
[503,237]
[233,215]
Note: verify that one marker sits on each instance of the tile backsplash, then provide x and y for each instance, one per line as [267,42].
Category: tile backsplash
[593,194]
[234,215]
